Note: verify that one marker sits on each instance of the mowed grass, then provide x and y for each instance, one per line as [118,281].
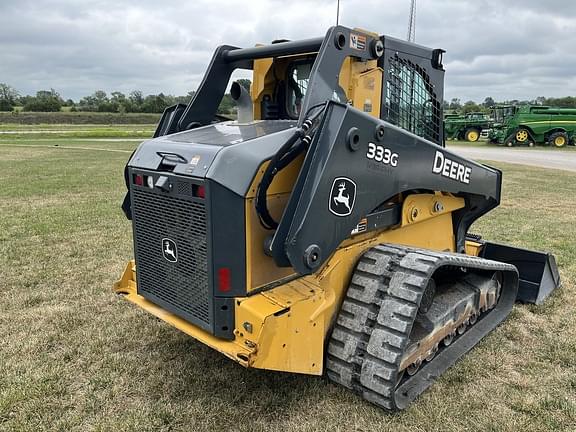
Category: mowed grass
[74,356]
[24,132]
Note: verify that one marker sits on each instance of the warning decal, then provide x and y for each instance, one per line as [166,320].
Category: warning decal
[357,41]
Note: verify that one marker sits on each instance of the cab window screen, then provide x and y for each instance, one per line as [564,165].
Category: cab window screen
[410,100]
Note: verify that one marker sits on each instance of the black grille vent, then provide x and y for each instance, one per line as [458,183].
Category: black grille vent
[184,188]
[411,102]
[180,287]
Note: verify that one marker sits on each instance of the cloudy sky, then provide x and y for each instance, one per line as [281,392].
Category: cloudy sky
[507,49]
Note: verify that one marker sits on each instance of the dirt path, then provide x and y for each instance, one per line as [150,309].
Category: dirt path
[563,160]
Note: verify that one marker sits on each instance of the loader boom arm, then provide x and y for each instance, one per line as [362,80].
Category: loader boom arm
[372,161]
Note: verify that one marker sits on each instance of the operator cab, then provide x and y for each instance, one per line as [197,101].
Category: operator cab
[279,86]
[402,84]
[502,112]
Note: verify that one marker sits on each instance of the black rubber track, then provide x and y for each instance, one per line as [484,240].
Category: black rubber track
[374,324]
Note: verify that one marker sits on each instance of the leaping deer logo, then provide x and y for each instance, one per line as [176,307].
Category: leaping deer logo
[169,250]
[341,198]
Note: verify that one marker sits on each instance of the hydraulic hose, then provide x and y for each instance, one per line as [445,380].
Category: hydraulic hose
[298,142]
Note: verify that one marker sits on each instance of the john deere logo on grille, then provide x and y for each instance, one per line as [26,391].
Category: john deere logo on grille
[169,250]
[342,196]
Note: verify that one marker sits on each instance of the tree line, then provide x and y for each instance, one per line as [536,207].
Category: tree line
[100,101]
[137,102]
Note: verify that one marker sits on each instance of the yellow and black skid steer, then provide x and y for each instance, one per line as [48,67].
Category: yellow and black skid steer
[325,231]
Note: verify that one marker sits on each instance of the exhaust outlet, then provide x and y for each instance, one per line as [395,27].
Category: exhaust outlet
[243,101]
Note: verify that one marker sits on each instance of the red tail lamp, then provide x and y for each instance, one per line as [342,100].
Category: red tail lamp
[138,180]
[224,282]
[199,191]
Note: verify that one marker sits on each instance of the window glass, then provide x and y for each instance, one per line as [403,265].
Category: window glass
[297,84]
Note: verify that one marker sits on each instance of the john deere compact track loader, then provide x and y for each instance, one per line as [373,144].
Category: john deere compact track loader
[326,230]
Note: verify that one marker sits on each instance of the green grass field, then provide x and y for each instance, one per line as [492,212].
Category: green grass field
[70,118]
[42,132]
[74,356]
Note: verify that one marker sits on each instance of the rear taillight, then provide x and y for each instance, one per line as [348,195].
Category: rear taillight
[143,180]
[199,191]
[224,283]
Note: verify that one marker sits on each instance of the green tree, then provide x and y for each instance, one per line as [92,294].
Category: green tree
[540,100]
[455,104]
[471,106]
[185,99]
[102,102]
[227,105]
[118,102]
[563,102]
[98,101]
[44,101]
[155,103]
[244,82]
[8,97]
[135,101]
[488,102]
[88,103]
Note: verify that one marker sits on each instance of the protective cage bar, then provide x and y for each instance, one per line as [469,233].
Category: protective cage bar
[274,50]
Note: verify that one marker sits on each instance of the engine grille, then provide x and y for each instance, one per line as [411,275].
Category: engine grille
[180,287]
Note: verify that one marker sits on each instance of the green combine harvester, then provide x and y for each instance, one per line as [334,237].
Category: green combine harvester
[533,124]
[467,127]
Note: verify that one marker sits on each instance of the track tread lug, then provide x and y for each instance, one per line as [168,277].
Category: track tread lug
[372,331]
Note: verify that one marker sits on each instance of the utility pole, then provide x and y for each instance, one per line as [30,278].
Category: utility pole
[411,37]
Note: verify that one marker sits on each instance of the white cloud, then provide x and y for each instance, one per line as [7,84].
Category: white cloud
[513,49]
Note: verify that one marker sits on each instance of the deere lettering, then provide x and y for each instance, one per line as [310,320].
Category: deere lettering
[451,169]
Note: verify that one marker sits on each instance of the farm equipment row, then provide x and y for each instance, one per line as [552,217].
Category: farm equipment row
[533,124]
[467,127]
[510,125]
